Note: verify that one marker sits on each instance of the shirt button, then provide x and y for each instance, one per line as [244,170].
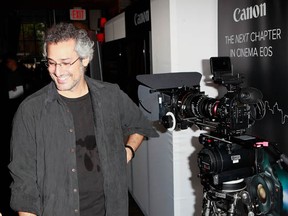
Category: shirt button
[72,150]
[75,190]
[76,211]
[73,170]
[70,130]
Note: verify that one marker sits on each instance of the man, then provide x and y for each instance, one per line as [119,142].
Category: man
[68,155]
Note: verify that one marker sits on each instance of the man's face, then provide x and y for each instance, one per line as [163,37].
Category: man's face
[66,68]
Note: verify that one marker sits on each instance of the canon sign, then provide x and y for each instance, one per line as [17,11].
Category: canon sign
[248,13]
[141,17]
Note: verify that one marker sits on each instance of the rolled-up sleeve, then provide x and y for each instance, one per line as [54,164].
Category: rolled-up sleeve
[133,119]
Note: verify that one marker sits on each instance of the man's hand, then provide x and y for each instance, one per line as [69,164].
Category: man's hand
[26,214]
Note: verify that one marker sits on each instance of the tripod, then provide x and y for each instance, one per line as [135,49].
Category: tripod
[231,200]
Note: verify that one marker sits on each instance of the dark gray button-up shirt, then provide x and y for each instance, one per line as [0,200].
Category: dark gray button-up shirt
[43,157]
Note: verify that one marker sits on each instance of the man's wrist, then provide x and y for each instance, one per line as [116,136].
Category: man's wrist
[131,149]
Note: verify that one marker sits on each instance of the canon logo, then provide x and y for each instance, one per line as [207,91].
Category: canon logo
[141,17]
[248,13]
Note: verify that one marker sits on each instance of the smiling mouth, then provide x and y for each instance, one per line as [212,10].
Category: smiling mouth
[62,80]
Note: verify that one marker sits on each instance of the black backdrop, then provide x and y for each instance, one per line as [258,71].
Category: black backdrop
[254,34]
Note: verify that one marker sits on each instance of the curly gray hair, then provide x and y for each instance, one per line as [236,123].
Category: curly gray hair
[65,31]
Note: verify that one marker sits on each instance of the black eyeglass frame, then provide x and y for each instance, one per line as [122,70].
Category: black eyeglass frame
[60,64]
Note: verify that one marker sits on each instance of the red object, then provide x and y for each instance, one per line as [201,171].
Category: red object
[100,37]
[102,22]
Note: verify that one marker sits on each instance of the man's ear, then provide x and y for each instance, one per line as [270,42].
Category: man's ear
[85,62]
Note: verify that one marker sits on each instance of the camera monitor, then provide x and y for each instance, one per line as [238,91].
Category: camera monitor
[221,66]
[222,71]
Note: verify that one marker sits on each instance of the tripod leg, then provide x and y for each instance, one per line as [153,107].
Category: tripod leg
[206,205]
[246,200]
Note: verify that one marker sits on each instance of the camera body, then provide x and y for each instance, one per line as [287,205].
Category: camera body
[237,110]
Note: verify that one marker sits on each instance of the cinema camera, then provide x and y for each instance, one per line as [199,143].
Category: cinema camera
[241,174]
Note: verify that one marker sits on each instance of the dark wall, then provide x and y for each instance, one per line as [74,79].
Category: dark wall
[10,27]
[258,47]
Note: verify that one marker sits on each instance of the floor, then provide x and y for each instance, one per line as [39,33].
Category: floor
[134,209]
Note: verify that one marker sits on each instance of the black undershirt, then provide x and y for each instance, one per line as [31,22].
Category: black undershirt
[90,178]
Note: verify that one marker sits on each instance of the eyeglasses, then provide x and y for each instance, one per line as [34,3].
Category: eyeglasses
[52,64]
